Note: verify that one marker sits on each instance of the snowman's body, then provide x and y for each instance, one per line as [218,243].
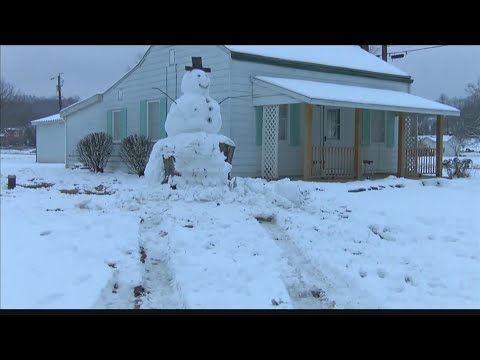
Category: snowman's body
[195,110]
[192,126]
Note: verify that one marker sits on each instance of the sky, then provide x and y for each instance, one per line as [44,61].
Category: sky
[88,69]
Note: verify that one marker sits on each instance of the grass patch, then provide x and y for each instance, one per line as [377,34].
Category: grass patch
[70,191]
[37,185]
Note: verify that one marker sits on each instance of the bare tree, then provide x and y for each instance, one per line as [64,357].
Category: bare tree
[136,60]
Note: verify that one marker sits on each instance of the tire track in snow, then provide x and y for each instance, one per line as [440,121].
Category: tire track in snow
[304,282]
[158,282]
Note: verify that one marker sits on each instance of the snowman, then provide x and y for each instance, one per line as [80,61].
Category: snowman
[195,110]
[191,155]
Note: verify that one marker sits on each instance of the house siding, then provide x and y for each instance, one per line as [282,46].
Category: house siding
[51,143]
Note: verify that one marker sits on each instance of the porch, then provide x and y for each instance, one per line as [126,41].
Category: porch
[324,153]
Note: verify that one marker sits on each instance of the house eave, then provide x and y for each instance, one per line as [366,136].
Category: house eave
[317,67]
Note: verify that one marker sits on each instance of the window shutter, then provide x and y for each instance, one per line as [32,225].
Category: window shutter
[123,133]
[295,124]
[143,117]
[365,127]
[390,129]
[109,122]
[163,117]
[259,124]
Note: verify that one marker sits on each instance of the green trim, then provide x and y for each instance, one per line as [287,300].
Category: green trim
[365,127]
[143,117]
[294,124]
[163,117]
[318,67]
[390,129]
[258,124]
[123,128]
[109,122]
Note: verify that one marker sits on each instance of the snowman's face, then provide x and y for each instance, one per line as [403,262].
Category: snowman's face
[195,81]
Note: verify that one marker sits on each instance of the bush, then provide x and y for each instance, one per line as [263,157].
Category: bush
[457,167]
[135,151]
[94,150]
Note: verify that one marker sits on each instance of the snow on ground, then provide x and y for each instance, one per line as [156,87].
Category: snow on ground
[119,243]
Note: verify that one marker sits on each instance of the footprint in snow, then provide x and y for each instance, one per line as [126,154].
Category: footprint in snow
[46,232]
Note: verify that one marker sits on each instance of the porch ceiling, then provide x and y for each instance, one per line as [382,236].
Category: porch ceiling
[321,93]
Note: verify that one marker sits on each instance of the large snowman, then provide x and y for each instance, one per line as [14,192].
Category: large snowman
[192,147]
[195,110]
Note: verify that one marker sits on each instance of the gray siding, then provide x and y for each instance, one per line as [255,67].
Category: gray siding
[154,71]
[51,143]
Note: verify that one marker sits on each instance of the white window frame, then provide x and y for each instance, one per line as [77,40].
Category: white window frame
[148,125]
[338,124]
[120,95]
[287,123]
[372,126]
[171,57]
[113,125]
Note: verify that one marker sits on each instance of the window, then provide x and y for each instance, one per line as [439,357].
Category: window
[282,122]
[117,125]
[153,119]
[332,132]
[172,56]
[378,126]
[120,94]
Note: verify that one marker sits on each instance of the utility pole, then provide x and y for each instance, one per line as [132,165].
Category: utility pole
[384,52]
[59,89]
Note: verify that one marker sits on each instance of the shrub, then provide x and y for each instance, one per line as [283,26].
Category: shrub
[457,167]
[135,151]
[94,150]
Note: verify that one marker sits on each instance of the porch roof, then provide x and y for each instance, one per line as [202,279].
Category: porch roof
[321,93]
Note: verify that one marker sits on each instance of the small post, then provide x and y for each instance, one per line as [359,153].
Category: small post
[12,182]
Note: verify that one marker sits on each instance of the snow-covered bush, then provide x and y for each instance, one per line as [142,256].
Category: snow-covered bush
[135,151]
[94,151]
[457,167]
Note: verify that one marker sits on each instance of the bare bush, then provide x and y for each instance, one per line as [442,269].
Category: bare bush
[135,151]
[94,151]
[458,168]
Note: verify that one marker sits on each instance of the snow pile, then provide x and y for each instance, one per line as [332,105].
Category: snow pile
[198,160]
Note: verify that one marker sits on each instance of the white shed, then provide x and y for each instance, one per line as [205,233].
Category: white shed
[451,145]
[50,135]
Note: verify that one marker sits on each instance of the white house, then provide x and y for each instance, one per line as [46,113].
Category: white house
[451,145]
[50,135]
[311,111]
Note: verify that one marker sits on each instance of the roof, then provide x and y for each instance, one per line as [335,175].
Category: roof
[82,104]
[322,93]
[446,138]
[337,56]
[48,119]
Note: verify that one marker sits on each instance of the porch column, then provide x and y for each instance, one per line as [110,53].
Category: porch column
[307,143]
[401,145]
[439,154]
[358,144]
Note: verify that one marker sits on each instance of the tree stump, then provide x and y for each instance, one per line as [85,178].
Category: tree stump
[169,163]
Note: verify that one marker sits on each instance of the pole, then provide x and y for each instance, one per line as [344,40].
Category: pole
[384,52]
[59,93]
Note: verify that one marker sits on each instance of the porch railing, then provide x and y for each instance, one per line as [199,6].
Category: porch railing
[423,160]
[333,161]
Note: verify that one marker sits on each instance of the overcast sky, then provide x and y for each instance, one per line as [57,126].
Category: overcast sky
[91,69]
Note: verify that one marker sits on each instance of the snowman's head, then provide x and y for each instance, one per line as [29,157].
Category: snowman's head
[195,82]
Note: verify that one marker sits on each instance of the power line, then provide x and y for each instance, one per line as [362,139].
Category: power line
[408,51]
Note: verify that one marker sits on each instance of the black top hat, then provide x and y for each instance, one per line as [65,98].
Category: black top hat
[197,64]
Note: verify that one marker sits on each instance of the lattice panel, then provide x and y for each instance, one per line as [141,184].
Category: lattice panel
[411,144]
[270,142]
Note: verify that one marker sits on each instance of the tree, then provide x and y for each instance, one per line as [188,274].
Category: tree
[136,60]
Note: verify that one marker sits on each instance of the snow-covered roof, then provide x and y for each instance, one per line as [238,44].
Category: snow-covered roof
[321,93]
[342,56]
[48,119]
[446,138]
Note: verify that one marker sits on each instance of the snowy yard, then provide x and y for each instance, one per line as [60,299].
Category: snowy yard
[110,241]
